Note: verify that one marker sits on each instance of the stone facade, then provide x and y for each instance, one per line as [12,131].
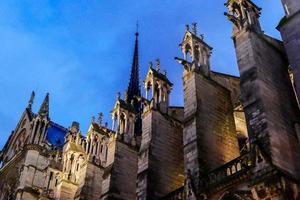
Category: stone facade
[234,138]
[161,152]
[124,173]
[291,37]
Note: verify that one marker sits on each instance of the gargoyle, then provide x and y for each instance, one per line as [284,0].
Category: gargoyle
[233,19]
[187,65]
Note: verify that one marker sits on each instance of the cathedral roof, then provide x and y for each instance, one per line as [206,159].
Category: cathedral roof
[100,129]
[56,135]
[126,106]
[160,76]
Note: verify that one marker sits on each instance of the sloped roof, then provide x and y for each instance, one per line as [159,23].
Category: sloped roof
[30,115]
[99,129]
[161,76]
[126,106]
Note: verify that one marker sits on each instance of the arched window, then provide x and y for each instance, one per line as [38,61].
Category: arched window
[156,92]
[187,53]
[149,94]
[35,131]
[122,123]
[197,54]
[115,122]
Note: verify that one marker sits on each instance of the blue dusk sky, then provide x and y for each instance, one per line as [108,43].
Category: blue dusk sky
[81,51]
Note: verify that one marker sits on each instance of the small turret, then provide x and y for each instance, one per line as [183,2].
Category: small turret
[196,52]
[244,14]
[123,119]
[100,115]
[157,63]
[157,86]
[93,119]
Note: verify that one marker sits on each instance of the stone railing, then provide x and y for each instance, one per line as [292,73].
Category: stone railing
[228,174]
[175,195]
[225,176]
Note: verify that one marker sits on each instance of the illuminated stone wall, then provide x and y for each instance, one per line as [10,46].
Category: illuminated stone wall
[9,177]
[124,173]
[232,83]
[166,171]
[209,133]
[267,95]
[290,32]
[92,188]
[161,168]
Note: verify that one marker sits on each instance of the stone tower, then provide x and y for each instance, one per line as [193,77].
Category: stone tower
[209,133]
[127,126]
[290,32]
[266,89]
[157,87]
[193,47]
[160,157]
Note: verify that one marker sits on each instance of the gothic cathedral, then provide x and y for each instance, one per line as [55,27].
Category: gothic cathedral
[235,138]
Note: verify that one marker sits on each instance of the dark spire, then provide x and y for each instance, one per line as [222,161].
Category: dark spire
[134,83]
[44,109]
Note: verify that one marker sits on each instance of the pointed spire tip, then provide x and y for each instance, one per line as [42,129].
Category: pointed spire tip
[134,85]
[44,109]
[137,28]
[30,102]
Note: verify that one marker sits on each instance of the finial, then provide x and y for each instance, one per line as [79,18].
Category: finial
[187,27]
[157,63]
[137,28]
[150,64]
[194,29]
[93,119]
[106,125]
[100,115]
[202,37]
[75,127]
[165,72]
[126,95]
[118,95]
[30,102]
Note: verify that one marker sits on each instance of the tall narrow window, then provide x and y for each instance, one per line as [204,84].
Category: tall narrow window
[50,178]
[292,79]
[35,131]
[106,152]
[286,9]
